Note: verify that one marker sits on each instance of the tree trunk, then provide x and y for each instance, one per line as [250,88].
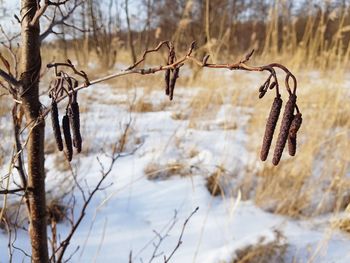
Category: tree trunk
[130,36]
[30,74]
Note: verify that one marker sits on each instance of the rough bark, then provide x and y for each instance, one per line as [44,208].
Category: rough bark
[30,68]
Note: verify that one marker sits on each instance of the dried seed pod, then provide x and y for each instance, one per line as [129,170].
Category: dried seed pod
[284,129]
[167,82]
[270,127]
[67,137]
[74,120]
[56,125]
[173,82]
[292,137]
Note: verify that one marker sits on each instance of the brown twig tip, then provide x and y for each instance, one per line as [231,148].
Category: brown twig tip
[292,137]
[248,56]
[288,116]
[270,127]
[56,125]
[74,119]
[205,59]
[67,137]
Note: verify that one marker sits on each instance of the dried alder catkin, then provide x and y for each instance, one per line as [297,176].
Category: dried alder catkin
[173,82]
[270,127]
[284,129]
[74,119]
[171,58]
[56,125]
[67,137]
[292,137]
[167,82]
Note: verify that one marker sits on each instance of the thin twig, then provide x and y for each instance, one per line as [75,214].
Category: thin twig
[11,191]
[179,242]
[104,174]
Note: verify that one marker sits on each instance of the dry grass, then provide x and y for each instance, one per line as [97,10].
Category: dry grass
[61,163]
[141,105]
[16,213]
[14,216]
[155,171]
[263,252]
[214,186]
[342,224]
[56,211]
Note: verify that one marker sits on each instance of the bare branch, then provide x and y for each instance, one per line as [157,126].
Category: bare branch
[40,12]
[179,63]
[179,242]
[60,21]
[104,173]
[10,79]
[11,191]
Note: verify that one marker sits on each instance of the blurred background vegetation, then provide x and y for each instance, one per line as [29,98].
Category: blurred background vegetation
[305,33]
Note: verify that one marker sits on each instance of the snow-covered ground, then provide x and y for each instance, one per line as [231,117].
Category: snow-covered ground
[131,213]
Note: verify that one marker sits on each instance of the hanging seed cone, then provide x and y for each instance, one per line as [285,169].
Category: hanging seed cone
[173,82]
[56,125]
[270,127]
[74,119]
[171,58]
[284,129]
[67,137]
[292,137]
[167,82]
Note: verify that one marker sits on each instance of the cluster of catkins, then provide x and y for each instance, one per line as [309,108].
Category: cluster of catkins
[289,126]
[71,119]
[171,75]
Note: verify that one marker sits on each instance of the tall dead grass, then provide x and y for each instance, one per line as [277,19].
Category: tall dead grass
[307,42]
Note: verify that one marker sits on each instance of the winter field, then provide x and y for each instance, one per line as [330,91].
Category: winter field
[200,150]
